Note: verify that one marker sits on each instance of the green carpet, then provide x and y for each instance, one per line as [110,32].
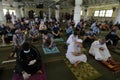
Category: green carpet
[58,40]
[84,71]
[57,70]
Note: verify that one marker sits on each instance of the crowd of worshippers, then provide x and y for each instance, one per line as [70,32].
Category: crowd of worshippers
[98,44]
[32,30]
[98,49]
[30,27]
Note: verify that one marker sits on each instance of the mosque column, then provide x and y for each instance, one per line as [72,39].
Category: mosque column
[57,12]
[77,11]
[2,17]
[117,19]
[49,11]
[85,13]
[17,10]
[22,12]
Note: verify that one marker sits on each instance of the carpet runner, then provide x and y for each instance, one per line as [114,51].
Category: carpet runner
[84,71]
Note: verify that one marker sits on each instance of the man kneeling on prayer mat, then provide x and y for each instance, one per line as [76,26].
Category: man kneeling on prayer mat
[100,51]
[75,54]
[48,41]
[28,62]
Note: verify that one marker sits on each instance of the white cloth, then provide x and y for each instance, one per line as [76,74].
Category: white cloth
[13,19]
[26,75]
[71,39]
[97,53]
[72,58]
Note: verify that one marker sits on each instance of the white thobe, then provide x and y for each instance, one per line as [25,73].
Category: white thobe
[72,58]
[13,19]
[97,53]
[71,39]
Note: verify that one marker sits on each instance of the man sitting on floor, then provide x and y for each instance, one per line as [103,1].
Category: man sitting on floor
[101,53]
[34,33]
[72,38]
[75,54]
[29,61]
[99,50]
[112,38]
[89,38]
[48,41]
[56,31]
[18,40]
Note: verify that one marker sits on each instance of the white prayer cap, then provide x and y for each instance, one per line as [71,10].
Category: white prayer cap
[79,40]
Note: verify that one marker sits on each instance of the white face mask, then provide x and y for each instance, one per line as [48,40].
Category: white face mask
[27,51]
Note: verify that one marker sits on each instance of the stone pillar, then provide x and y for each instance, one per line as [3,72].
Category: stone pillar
[77,11]
[2,17]
[49,11]
[22,12]
[17,10]
[57,12]
[117,19]
[85,13]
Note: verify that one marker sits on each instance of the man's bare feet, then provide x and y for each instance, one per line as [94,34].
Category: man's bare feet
[76,64]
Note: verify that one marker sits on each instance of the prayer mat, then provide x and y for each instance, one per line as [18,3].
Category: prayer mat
[51,51]
[114,66]
[83,71]
[58,40]
[37,76]
[33,77]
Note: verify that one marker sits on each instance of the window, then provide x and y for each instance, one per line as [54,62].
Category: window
[96,13]
[81,12]
[102,13]
[10,11]
[109,13]
[4,11]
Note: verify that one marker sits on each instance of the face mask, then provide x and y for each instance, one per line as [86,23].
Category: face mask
[112,33]
[27,51]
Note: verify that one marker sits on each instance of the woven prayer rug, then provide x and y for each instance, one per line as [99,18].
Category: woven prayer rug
[84,71]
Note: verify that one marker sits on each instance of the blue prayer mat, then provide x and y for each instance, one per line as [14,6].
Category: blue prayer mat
[51,51]
[58,39]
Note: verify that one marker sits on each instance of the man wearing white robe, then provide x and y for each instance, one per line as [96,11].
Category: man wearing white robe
[74,53]
[99,50]
[72,38]
[13,18]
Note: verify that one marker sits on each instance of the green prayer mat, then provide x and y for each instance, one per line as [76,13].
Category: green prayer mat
[58,40]
[83,71]
[51,51]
